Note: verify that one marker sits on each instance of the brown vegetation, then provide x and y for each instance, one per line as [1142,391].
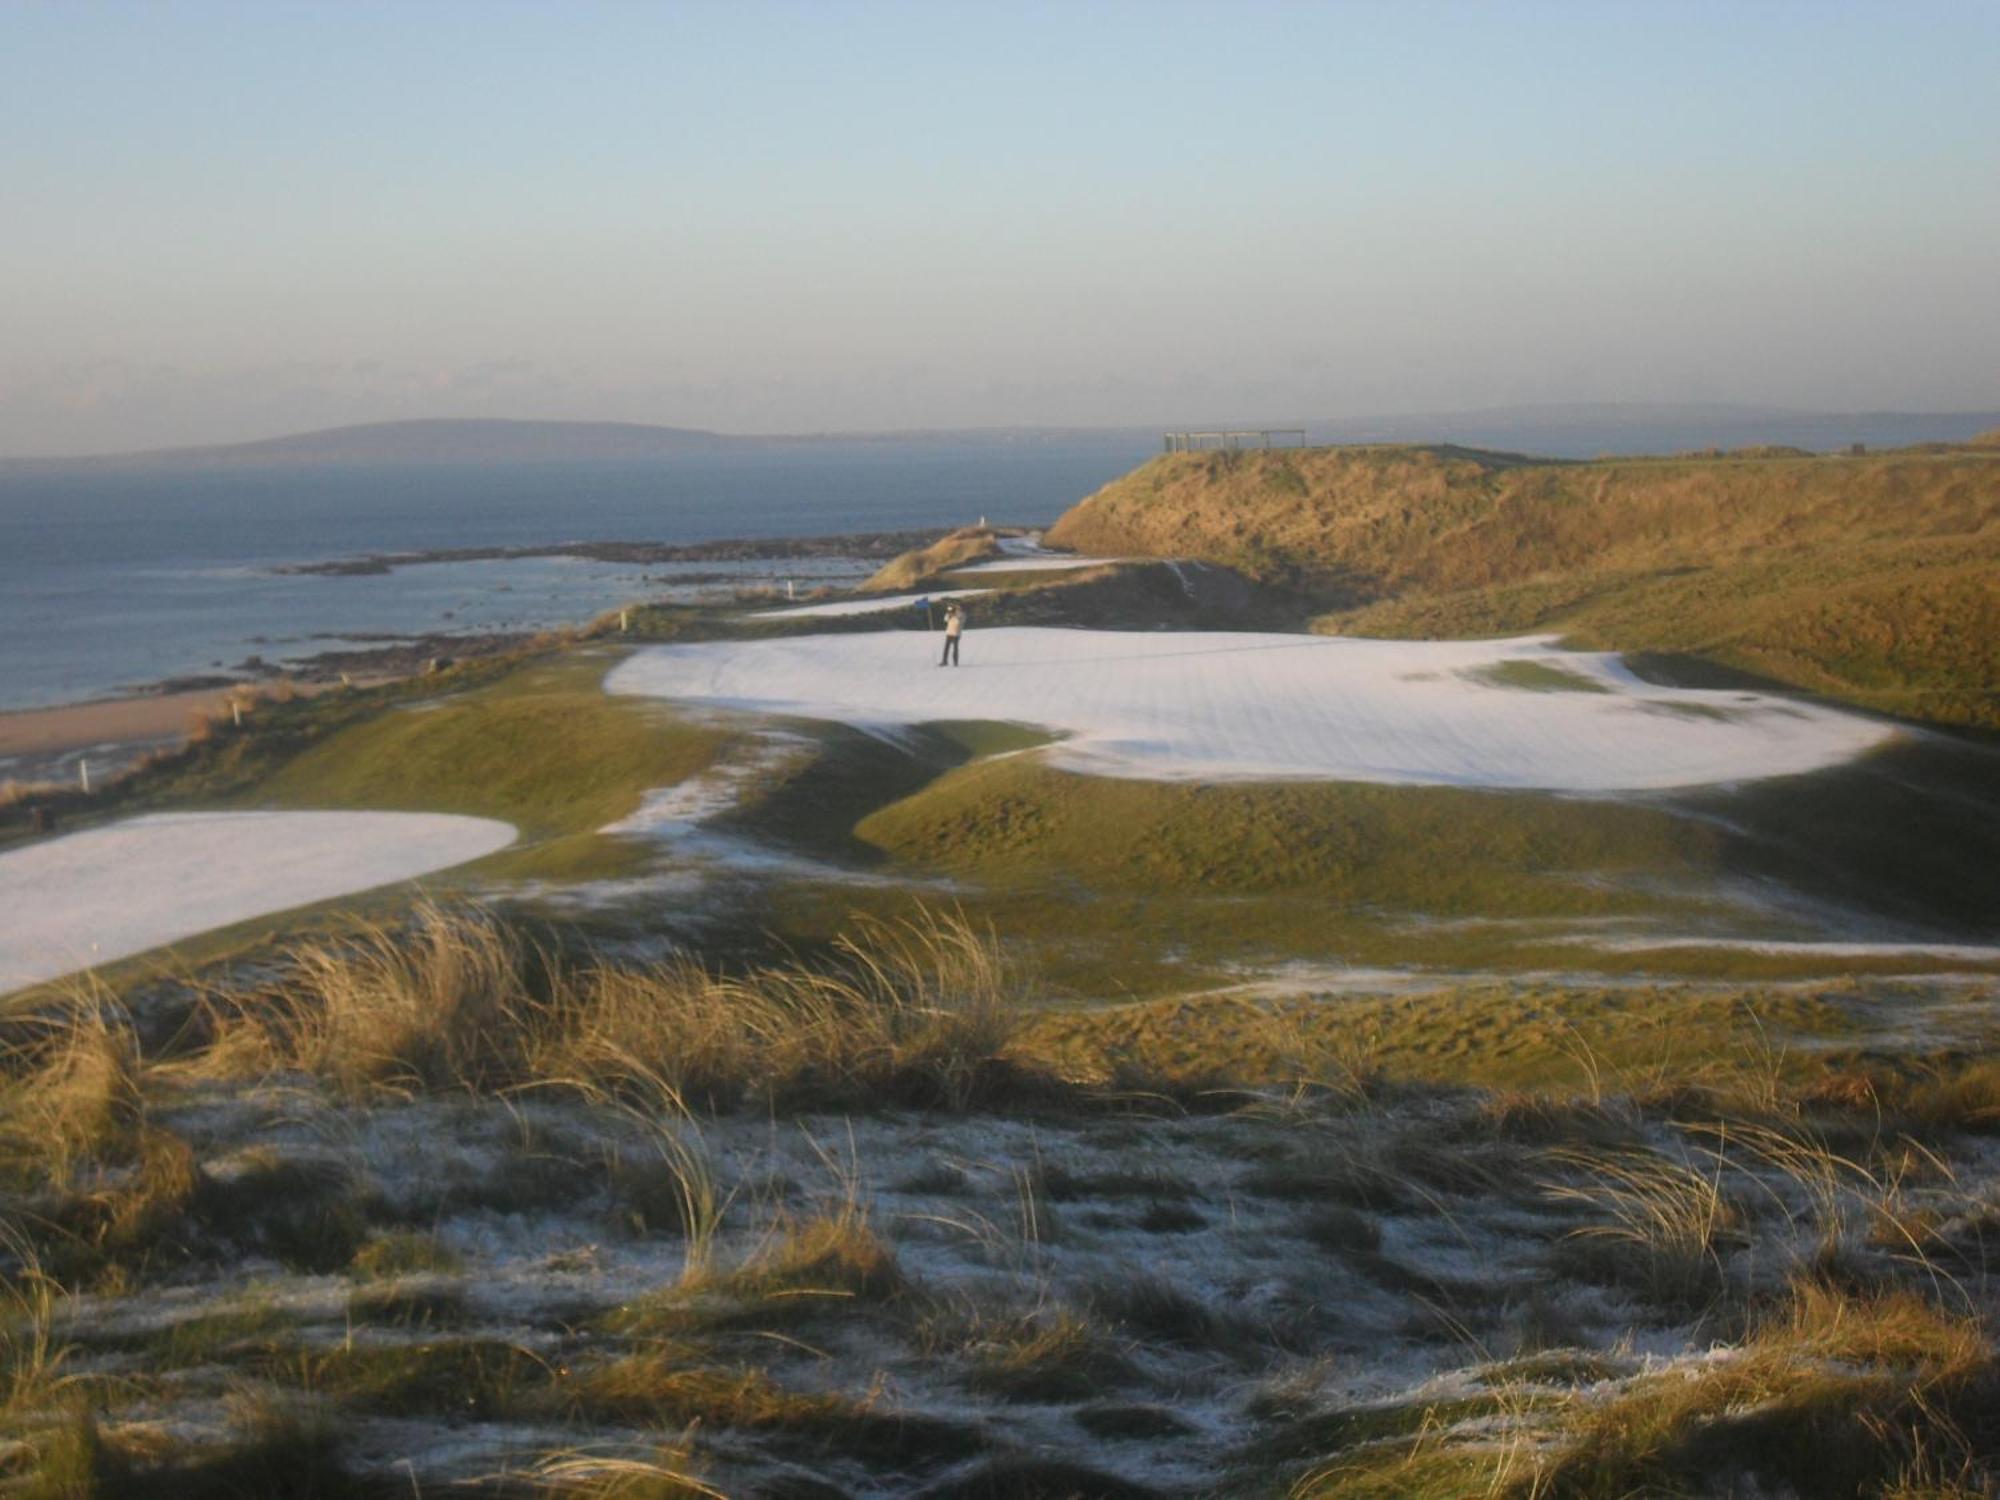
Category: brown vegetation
[916,1010]
[1178,1254]
[967,545]
[1869,579]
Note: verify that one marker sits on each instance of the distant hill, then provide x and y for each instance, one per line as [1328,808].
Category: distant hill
[1559,431]
[445,441]
[1872,579]
[496,441]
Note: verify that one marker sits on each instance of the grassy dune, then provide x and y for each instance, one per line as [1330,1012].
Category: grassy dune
[1119,890]
[969,544]
[544,748]
[1905,834]
[1867,579]
[1436,849]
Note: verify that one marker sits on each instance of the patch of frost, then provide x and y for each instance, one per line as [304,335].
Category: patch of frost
[1262,707]
[85,899]
[1778,948]
[1040,562]
[873,605]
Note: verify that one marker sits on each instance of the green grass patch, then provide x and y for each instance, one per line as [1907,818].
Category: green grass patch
[1536,677]
[1125,888]
[545,749]
[536,744]
[1430,849]
[814,803]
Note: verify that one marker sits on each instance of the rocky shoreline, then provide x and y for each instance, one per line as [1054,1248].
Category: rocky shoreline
[872,544]
[43,742]
[396,656]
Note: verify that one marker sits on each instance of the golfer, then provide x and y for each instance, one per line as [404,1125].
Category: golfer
[954,626]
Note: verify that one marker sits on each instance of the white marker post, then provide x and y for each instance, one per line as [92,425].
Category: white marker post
[83,774]
[624,621]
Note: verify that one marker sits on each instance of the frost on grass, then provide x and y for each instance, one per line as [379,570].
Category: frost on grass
[88,898]
[1036,562]
[499,1242]
[1170,1302]
[1970,953]
[874,604]
[1262,707]
[696,860]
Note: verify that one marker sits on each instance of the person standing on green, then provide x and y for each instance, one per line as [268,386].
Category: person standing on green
[954,626]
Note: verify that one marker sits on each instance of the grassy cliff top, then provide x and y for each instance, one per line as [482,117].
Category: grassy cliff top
[1869,579]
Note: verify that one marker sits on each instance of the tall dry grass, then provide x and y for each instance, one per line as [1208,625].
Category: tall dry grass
[916,1011]
[31,1359]
[1833,1394]
[449,999]
[670,1475]
[69,1093]
[1663,1221]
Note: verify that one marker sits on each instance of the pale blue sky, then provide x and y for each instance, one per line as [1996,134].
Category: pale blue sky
[231,220]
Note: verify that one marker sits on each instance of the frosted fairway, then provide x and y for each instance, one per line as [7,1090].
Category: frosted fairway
[1248,707]
[87,898]
[837,607]
[1053,562]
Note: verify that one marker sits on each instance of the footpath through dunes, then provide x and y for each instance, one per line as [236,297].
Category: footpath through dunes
[89,898]
[1250,707]
[1873,579]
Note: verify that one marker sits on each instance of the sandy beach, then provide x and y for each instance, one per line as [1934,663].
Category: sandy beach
[38,734]
[39,744]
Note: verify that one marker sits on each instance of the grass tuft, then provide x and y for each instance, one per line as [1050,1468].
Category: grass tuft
[914,1011]
[1836,1395]
[1060,1356]
[1151,1308]
[69,1094]
[1663,1223]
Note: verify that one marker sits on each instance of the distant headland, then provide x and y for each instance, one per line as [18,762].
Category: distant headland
[1560,430]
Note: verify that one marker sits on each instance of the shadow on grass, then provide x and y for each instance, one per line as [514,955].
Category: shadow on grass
[1910,832]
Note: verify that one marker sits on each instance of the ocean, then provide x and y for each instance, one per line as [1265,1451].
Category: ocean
[112,579]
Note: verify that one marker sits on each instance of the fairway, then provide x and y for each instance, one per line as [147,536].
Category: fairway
[1264,707]
[73,903]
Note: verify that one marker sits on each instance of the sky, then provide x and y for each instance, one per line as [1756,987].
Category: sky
[229,221]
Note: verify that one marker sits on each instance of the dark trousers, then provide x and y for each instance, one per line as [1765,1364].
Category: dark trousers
[950,651]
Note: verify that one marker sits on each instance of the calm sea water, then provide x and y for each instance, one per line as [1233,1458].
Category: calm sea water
[111,580]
